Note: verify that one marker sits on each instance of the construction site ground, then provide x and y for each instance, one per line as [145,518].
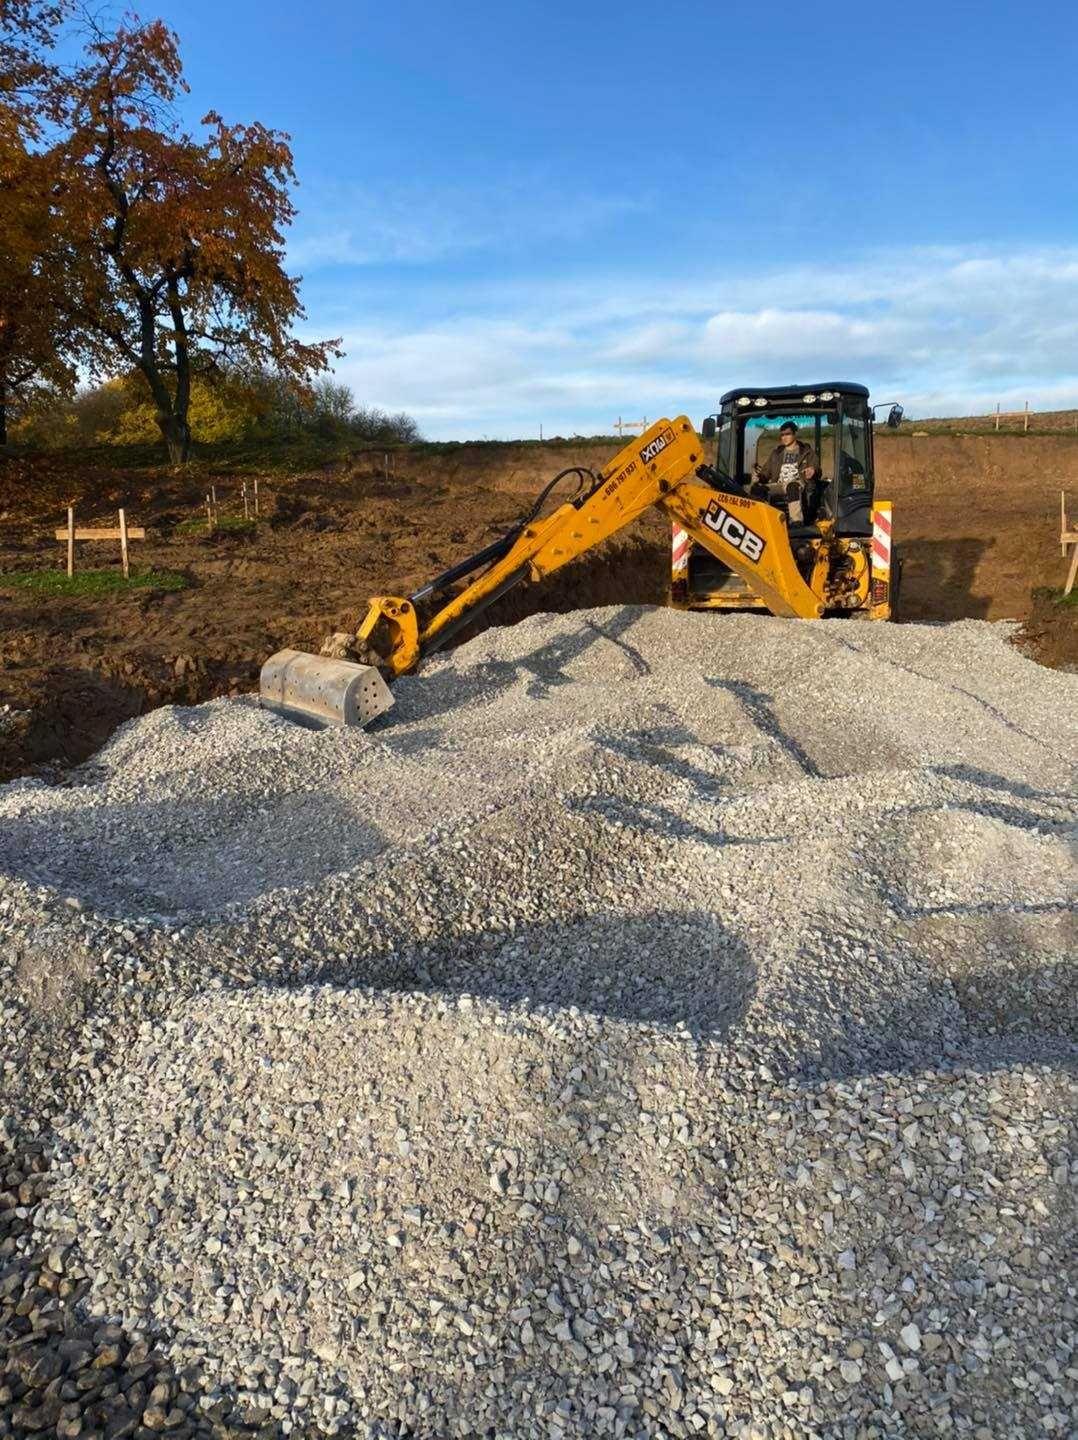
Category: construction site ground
[977,519]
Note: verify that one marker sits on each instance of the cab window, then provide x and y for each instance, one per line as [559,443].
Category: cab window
[853,455]
[762,436]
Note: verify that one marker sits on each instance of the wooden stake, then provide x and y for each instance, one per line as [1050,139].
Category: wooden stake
[213,492]
[246,512]
[997,414]
[123,542]
[1025,426]
[70,541]
[256,495]
[209,516]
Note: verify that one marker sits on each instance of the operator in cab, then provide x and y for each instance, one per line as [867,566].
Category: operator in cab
[789,475]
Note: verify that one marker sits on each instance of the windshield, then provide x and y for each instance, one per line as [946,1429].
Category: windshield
[763,437]
[748,440]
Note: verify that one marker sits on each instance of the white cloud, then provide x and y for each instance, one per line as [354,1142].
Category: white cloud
[946,331]
[417,226]
[824,337]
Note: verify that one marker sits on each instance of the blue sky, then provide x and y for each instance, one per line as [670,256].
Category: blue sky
[519,214]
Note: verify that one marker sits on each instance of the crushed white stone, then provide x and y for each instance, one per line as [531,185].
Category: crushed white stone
[659,1024]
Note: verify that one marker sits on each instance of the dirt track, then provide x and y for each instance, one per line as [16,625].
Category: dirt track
[977,519]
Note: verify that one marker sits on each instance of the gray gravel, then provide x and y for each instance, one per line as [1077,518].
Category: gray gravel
[659,1025]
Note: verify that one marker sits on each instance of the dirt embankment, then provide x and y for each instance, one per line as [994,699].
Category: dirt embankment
[977,519]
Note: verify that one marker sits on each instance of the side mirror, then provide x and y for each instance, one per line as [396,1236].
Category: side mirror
[707,429]
[894,417]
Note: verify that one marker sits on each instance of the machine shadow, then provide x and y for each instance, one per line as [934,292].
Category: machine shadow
[759,706]
[542,669]
[938,578]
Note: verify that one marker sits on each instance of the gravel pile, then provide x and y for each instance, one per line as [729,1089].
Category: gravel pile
[659,1025]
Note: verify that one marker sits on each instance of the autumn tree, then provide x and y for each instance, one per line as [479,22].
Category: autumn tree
[27,33]
[35,345]
[173,246]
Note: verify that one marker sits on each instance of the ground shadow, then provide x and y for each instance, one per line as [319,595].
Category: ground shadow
[186,859]
[1018,817]
[1016,788]
[980,984]
[70,716]
[938,579]
[543,669]
[665,967]
[760,708]
[879,658]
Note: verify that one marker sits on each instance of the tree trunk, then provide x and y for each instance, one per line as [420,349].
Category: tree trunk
[177,436]
[181,402]
[3,415]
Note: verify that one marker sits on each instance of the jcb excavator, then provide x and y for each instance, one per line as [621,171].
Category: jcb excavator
[805,571]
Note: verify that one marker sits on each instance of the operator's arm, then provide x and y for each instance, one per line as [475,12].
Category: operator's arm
[765,475]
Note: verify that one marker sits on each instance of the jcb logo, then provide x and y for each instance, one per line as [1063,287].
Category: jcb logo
[733,531]
[656,446]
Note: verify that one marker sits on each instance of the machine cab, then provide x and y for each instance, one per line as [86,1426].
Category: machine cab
[835,419]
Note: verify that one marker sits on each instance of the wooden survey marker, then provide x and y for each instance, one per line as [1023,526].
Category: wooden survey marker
[123,533]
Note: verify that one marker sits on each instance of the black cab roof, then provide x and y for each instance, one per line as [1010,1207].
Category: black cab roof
[795,394]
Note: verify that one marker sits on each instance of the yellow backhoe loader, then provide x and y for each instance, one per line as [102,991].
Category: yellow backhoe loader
[828,426]
[805,571]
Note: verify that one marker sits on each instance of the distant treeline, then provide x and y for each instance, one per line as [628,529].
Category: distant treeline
[223,408]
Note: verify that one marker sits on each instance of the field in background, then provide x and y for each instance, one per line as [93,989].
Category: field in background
[977,517]
[1042,422]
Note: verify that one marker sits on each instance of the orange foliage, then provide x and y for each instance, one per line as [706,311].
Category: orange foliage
[32,348]
[166,250]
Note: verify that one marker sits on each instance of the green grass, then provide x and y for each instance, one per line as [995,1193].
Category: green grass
[1044,422]
[232,524]
[93,582]
[1049,594]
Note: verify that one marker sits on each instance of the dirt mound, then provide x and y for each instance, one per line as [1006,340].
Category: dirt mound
[1050,634]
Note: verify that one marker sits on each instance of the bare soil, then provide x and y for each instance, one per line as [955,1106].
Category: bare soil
[976,518]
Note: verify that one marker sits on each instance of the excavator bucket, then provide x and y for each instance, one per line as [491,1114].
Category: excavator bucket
[318,692]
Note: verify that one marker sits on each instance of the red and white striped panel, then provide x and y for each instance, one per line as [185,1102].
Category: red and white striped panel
[881,538]
[680,545]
